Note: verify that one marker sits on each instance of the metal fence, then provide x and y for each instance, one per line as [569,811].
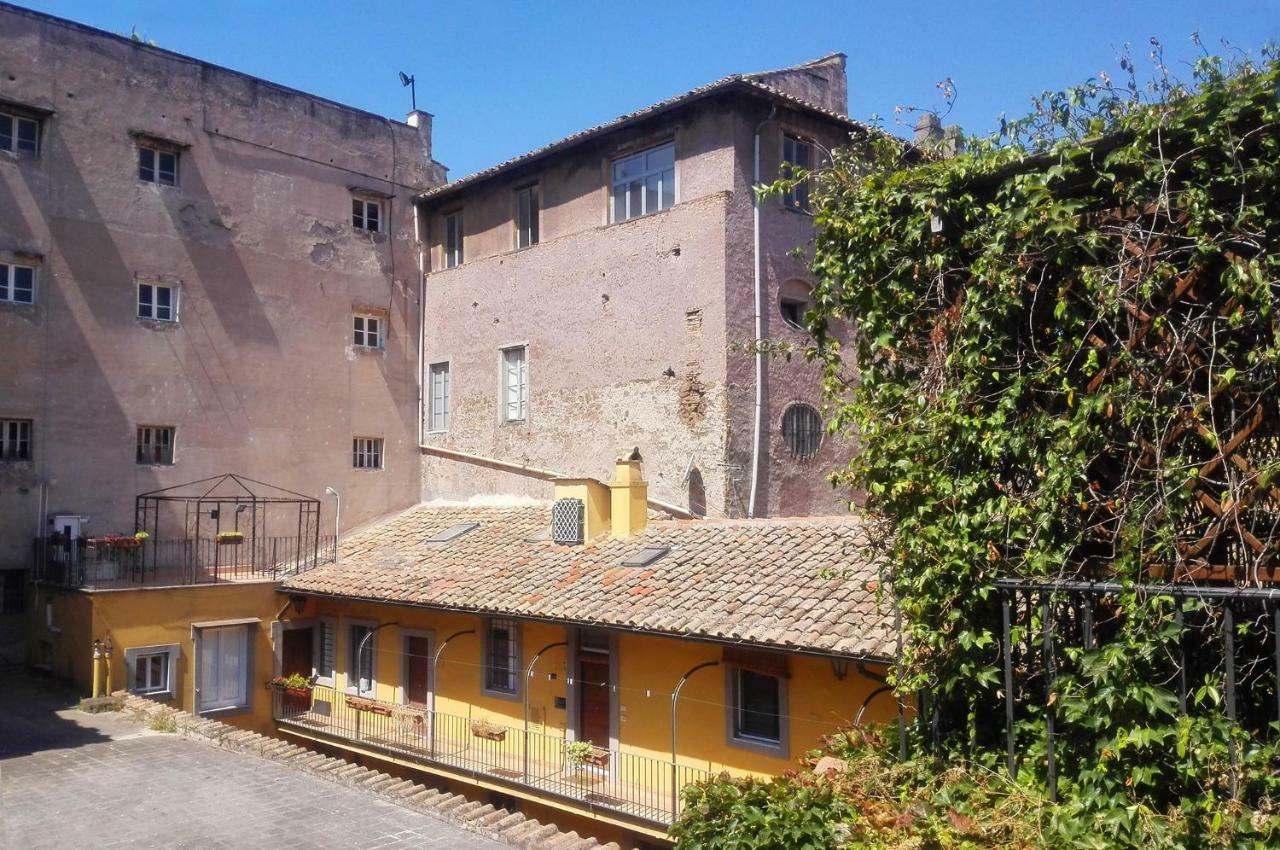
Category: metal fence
[629,784]
[128,562]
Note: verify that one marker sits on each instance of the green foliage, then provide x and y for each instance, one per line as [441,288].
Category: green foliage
[164,721]
[753,814]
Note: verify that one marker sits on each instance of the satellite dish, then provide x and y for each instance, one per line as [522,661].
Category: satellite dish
[405,79]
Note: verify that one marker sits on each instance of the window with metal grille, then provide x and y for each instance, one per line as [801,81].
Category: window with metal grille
[366,215]
[757,707]
[155,445]
[12,590]
[438,402]
[515,384]
[802,431]
[367,330]
[156,165]
[528,205]
[15,439]
[502,656]
[19,135]
[643,183]
[797,157]
[17,283]
[453,240]
[366,452]
[157,302]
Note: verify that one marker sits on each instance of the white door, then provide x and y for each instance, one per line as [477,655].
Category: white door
[224,667]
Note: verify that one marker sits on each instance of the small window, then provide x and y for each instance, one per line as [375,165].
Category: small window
[150,669]
[155,445]
[793,312]
[643,183]
[12,591]
[17,283]
[797,156]
[157,302]
[366,215]
[157,165]
[322,664]
[360,655]
[366,453]
[528,206]
[15,439]
[515,384]
[453,240]
[802,431]
[502,654]
[438,401]
[19,135]
[367,331]
[757,707]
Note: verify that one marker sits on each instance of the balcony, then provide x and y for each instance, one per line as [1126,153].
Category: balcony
[631,786]
[127,562]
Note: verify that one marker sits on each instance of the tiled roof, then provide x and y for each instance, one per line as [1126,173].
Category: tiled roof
[741,82]
[804,584]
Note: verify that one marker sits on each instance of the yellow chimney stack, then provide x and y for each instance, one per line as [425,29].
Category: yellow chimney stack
[628,496]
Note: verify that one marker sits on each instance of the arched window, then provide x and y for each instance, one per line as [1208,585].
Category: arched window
[802,430]
[794,301]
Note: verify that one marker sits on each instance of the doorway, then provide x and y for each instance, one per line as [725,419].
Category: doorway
[417,671]
[594,677]
[297,652]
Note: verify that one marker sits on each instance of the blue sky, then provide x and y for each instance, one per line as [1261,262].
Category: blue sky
[504,77]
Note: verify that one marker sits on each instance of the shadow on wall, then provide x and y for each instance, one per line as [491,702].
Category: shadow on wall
[697,492]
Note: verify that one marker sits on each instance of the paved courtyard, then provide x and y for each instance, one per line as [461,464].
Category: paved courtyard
[72,780]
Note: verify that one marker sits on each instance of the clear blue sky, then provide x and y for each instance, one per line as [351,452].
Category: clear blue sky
[504,77]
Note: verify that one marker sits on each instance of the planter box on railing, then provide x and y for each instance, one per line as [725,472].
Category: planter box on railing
[488,731]
[366,704]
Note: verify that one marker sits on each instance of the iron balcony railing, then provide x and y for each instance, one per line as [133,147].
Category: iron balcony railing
[633,786]
[117,562]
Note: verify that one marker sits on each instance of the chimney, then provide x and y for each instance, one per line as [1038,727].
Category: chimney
[928,130]
[593,496]
[628,496]
[421,121]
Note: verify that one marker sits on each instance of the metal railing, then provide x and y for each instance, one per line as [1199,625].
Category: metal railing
[128,562]
[635,786]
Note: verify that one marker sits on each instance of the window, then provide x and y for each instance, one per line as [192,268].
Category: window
[793,312]
[12,591]
[360,679]
[528,205]
[323,667]
[802,431]
[797,154]
[366,215]
[757,707]
[366,453]
[157,302]
[644,183]
[367,331]
[19,135]
[515,384]
[151,670]
[438,402]
[155,445]
[15,439]
[502,657]
[17,283]
[453,240]
[158,165]
[224,661]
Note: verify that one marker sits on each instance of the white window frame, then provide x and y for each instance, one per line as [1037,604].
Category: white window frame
[528,233]
[9,284]
[517,657]
[642,178]
[152,306]
[796,198]
[733,692]
[244,700]
[439,405]
[361,333]
[13,434]
[454,240]
[13,146]
[367,453]
[157,173]
[514,396]
[148,440]
[360,217]
[350,645]
[163,690]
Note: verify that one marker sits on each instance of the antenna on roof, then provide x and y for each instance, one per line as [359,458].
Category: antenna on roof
[406,80]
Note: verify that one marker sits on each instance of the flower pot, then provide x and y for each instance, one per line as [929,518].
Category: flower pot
[231,541]
[295,700]
[597,758]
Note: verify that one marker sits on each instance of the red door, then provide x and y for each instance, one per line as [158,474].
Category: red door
[418,675]
[593,699]
[295,654]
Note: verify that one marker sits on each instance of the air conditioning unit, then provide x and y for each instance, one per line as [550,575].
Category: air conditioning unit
[568,521]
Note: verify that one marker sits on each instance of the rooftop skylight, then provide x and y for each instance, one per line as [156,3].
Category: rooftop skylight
[451,533]
[645,556]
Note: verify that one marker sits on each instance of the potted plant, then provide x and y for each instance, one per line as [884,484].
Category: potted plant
[579,754]
[295,692]
[230,538]
[488,731]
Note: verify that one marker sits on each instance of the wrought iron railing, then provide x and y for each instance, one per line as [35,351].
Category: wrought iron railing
[631,785]
[116,562]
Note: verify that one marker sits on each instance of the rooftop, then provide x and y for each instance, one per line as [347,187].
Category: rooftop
[805,584]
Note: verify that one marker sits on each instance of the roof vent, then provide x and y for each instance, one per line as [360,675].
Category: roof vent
[568,518]
[451,533]
[646,556]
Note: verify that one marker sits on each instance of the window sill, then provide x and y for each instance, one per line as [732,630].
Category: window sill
[368,349]
[512,696]
[764,748]
[157,324]
[513,422]
[16,304]
[229,711]
[161,465]
[160,695]
[367,468]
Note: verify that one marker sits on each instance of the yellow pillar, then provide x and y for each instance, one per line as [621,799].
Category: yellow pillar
[99,665]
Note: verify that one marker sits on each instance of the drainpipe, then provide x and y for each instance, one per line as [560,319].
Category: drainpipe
[758,282]
[337,520]
[528,677]
[675,695]
[422,318]
[435,662]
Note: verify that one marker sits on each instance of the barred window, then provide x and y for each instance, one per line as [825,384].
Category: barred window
[802,431]
[366,453]
[502,650]
[15,439]
[155,445]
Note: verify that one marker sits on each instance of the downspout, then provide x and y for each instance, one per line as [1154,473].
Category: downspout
[528,678]
[422,316]
[758,283]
